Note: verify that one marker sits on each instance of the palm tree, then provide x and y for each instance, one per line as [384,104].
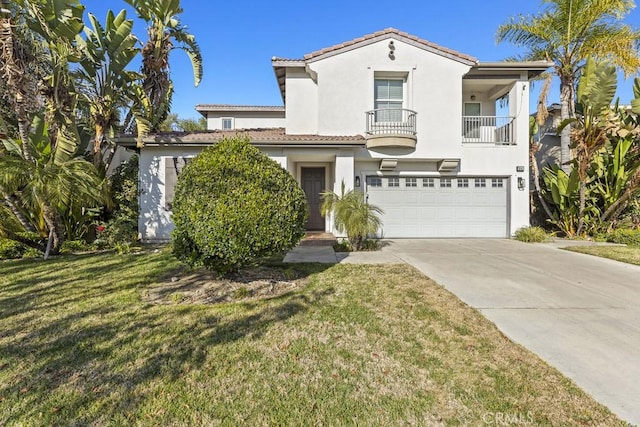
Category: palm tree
[106,85]
[164,29]
[566,33]
[352,214]
[46,184]
[53,26]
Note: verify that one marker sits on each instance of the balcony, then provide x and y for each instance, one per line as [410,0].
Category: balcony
[392,127]
[489,130]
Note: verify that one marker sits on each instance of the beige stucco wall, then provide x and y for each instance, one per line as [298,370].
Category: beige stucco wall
[301,103]
[344,92]
[246,119]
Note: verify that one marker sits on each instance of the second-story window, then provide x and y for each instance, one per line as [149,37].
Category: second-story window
[388,95]
[227,123]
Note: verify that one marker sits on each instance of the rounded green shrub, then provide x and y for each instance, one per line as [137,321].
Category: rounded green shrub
[233,205]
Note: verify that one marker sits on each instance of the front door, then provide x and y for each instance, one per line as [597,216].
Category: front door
[313,184]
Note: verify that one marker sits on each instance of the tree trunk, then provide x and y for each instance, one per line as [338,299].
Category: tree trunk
[52,219]
[583,202]
[97,146]
[567,110]
[8,202]
[17,82]
[536,178]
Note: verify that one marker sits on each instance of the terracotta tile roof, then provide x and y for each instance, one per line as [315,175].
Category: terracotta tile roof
[279,59]
[400,35]
[274,136]
[228,107]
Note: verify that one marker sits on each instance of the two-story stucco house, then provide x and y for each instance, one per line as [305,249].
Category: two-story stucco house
[434,137]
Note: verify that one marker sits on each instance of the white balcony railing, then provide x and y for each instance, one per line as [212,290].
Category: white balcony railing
[391,121]
[489,129]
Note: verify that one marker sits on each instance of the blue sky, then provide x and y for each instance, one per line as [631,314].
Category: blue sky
[238,38]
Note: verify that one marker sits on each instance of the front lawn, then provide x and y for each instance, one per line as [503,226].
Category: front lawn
[82,343]
[628,254]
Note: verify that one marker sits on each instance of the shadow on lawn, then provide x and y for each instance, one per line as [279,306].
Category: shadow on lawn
[90,342]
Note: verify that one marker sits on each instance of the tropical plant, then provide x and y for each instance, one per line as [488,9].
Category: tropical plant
[351,214]
[567,32]
[52,25]
[595,122]
[614,169]
[534,147]
[166,32]
[234,205]
[46,184]
[106,84]
[561,191]
[121,229]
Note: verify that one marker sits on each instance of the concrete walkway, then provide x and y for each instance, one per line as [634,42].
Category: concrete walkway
[326,255]
[579,313]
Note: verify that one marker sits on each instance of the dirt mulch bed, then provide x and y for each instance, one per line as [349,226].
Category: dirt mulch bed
[206,287]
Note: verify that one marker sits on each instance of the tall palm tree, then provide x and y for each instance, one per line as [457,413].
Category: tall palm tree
[165,34]
[567,32]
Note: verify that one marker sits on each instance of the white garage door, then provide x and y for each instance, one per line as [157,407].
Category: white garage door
[440,207]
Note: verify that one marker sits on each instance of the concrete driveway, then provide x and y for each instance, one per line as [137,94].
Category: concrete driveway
[579,313]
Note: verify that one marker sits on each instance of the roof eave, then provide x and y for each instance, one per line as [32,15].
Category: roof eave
[280,66]
[419,43]
[532,68]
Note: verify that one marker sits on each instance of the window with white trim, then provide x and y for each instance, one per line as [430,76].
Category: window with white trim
[394,182]
[445,182]
[463,183]
[480,182]
[496,182]
[374,181]
[227,123]
[410,182]
[428,182]
[388,98]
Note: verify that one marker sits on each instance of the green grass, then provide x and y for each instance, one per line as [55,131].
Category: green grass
[358,345]
[628,254]
[531,235]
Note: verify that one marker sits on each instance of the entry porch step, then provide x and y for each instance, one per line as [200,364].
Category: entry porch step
[318,239]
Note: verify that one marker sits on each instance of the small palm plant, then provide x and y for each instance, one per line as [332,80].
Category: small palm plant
[352,214]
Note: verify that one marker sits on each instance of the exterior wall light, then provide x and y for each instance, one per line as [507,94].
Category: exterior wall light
[521,183]
[357,181]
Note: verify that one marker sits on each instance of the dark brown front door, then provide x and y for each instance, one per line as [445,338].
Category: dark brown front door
[313,185]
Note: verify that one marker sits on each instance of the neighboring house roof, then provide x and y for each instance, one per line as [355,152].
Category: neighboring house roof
[203,108]
[272,136]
